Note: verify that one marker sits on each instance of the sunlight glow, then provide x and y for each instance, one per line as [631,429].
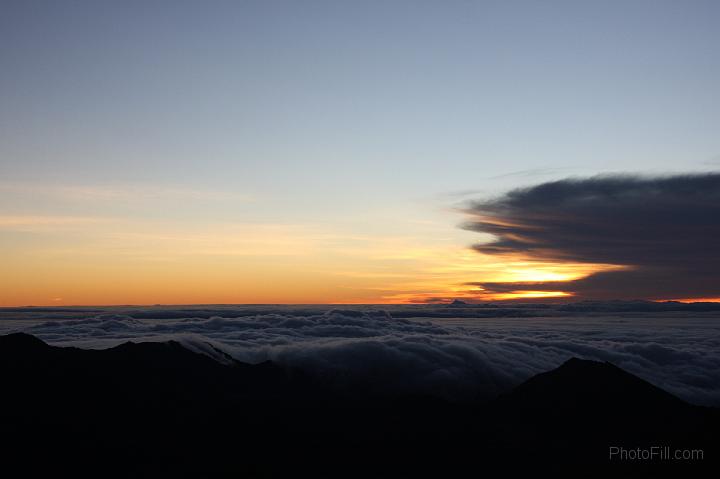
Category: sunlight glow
[62,260]
[692,300]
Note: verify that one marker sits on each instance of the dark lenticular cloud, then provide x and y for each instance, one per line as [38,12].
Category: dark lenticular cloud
[664,229]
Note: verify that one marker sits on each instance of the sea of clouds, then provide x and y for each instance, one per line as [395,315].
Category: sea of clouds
[455,353]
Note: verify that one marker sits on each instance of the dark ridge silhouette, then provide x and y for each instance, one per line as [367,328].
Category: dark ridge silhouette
[160,410]
[581,408]
[580,382]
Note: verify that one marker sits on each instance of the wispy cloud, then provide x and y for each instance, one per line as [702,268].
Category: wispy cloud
[530,173]
[47,222]
[123,192]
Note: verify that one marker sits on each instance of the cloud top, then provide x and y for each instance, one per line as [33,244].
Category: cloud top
[455,357]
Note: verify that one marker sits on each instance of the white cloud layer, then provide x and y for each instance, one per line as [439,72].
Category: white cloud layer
[457,358]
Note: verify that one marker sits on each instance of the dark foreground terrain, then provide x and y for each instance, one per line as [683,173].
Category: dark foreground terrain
[160,410]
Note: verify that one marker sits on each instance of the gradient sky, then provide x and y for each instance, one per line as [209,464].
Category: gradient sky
[313,151]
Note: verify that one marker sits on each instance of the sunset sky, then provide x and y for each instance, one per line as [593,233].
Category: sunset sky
[184,152]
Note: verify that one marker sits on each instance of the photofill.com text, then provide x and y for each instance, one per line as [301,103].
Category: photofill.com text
[655,453]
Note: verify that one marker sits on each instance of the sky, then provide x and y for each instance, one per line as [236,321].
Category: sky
[326,151]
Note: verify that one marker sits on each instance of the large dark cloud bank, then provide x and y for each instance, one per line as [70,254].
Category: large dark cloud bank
[664,230]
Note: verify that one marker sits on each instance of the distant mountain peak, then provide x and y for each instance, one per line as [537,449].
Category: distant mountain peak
[592,384]
[458,302]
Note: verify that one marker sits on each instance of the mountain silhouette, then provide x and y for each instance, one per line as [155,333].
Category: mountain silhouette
[579,383]
[458,302]
[582,408]
[156,409]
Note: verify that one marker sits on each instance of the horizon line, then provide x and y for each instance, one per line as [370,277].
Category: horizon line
[506,301]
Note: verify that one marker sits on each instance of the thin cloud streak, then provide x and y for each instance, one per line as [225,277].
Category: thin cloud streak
[123,192]
[30,223]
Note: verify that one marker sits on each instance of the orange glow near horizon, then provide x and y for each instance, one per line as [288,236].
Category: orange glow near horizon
[474,295]
[692,300]
[533,295]
[76,261]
